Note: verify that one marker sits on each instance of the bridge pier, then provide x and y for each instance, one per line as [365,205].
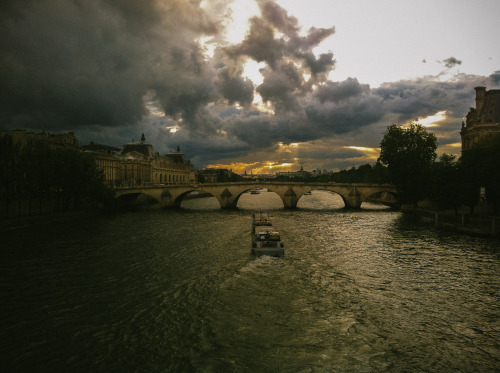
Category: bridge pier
[290,199]
[166,200]
[353,200]
[227,200]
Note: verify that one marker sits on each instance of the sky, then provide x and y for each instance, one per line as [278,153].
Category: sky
[258,86]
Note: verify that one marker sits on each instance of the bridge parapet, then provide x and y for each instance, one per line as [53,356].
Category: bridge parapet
[228,193]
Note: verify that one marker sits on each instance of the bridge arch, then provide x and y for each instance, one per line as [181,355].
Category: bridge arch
[243,193]
[334,200]
[177,202]
[137,198]
[387,198]
[228,194]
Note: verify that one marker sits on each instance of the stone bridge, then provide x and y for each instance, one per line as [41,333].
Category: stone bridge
[228,193]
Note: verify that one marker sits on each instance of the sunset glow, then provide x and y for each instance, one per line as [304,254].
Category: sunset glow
[266,167]
[431,120]
[364,149]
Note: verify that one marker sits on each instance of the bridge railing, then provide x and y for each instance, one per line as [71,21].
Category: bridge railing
[256,183]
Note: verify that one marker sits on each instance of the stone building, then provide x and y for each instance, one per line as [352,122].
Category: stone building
[65,140]
[482,120]
[137,163]
[107,159]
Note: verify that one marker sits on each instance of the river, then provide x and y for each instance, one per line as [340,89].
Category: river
[151,290]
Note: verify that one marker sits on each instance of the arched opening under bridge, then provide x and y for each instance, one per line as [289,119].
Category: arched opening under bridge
[197,200]
[137,199]
[259,198]
[321,200]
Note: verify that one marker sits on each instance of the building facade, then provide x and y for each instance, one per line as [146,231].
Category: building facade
[137,163]
[482,120]
[65,140]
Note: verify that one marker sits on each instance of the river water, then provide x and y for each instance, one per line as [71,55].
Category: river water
[154,290]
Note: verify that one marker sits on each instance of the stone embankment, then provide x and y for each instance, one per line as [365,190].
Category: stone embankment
[463,222]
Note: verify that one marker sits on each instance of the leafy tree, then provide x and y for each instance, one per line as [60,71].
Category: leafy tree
[446,182]
[408,154]
[9,165]
[36,171]
[481,168]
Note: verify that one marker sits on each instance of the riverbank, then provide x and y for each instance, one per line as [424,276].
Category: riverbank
[463,222]
[30,221]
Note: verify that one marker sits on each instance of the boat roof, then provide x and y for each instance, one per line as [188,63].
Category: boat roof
[261,218]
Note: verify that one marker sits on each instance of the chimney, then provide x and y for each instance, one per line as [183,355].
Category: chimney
[480,98]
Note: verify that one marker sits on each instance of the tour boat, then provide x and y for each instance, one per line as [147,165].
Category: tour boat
[265,239]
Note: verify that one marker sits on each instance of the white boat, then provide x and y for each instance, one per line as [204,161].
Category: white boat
[266,239]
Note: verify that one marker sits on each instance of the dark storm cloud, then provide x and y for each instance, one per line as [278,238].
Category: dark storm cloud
[275,36]
[72,63]
[350,108]
[95,66]
[236,88]
[495,78]
[280,86]
[410,99]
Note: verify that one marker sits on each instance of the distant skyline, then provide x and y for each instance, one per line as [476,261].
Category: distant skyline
[261,86]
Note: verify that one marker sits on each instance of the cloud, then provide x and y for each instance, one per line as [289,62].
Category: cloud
[451,62]
[75,63]
[112,69]
[274,38]
[235,88]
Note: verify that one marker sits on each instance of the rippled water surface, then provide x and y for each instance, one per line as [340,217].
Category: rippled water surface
[157,290]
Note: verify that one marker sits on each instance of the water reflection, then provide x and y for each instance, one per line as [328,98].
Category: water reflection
[179,291]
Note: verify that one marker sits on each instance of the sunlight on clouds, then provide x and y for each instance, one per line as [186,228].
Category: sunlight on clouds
[264,167]
[263,107]
[251,69]
[453,149]
[370,154]
[153,105]
[173,129]
[363,149]
[209,46]
[271,167]
[240,13]
[431,120]
[236,167]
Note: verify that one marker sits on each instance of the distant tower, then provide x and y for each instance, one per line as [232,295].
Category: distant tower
[178,149]
[143,139]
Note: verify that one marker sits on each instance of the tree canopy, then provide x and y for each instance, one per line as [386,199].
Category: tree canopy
[36,171]
[481,168]
[408,153]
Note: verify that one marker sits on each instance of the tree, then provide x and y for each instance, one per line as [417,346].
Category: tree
[446,182]
[35,172]
[481,168]
[408,154]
